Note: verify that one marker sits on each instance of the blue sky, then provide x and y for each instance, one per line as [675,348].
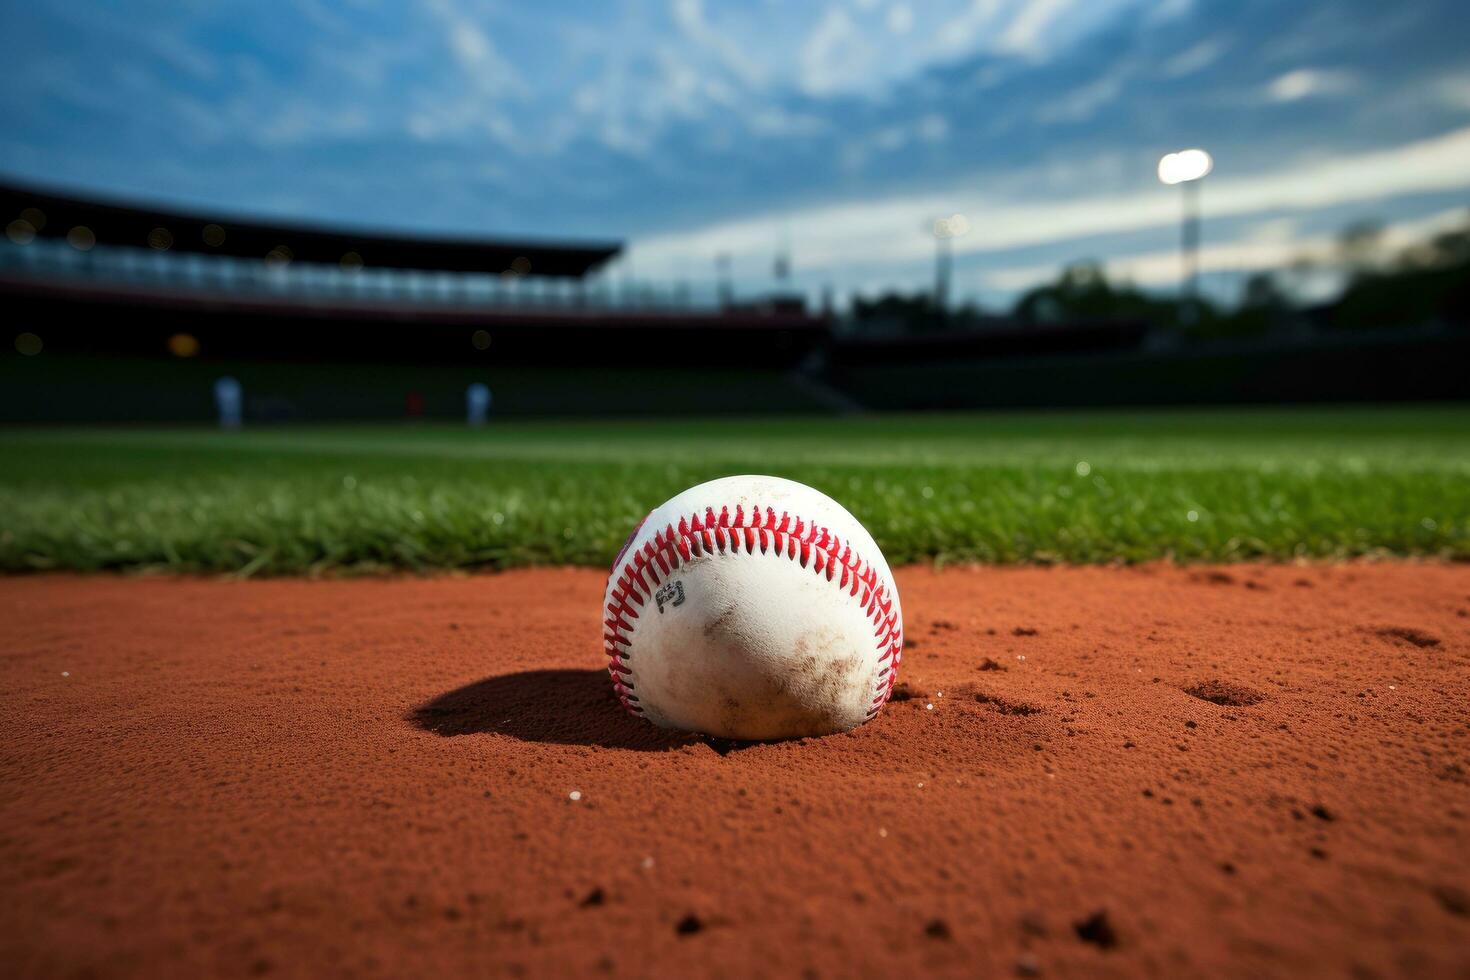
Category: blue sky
[690,128]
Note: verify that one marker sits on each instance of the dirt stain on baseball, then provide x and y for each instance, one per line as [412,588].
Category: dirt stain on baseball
[717,624]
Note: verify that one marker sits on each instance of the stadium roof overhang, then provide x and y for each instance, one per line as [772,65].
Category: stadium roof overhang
[208,233]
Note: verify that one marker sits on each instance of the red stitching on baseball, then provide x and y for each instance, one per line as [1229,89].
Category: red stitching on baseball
[812,547]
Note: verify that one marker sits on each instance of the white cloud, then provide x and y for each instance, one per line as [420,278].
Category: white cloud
[1028,28]
[1166,10]
[1195,58]
[1454,91]
[689,16]
[185,56]
[587,98]
[775,121]
[932,128]
[474,103]
[836,55]
[880,232]
[298,120]
[900,18]
[1305,83]
[1084,102]
[474,51]
[1025,32]
[470,43]
[962,32]
[1274,230]
[844,46]
[891,138]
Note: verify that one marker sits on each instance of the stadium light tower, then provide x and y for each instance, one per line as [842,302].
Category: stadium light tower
[1187,168]
[945,231]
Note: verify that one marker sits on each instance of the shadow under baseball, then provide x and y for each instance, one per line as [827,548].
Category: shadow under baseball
[563,707]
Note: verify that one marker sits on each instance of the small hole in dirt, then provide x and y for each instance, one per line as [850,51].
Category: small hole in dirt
[902,692]
[1007,707]
[988,664]
[689,925]
[1224,693]
[1214,578]
[1023,631]
[937,929]
[1228,868]
[1322,813]
[1454,900]
[1096,929]
[594,898]
[1418,638]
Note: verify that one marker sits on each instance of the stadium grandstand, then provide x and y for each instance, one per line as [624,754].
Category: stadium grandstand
[323,323]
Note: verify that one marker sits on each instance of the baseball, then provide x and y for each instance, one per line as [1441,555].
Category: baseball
[754,608]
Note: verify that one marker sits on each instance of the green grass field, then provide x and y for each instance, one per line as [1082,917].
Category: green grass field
[1084,487]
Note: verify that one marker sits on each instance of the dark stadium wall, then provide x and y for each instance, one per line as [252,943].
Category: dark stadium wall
[1400,365]
[294,329]
[58,387]
[107,358]
[80,389]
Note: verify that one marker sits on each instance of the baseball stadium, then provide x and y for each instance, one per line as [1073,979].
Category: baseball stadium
[858,489]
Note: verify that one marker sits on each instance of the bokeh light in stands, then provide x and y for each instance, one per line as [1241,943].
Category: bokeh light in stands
[35,216]
[521,266]
[20,231]
[351,261]
[213,235]
[1184,166]
[183,345]
[280,255]
[81,238]
[28,344]
[480,339]
[161,239]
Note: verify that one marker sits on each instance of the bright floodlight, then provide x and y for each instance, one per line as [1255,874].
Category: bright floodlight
[1184,166]
[952,227]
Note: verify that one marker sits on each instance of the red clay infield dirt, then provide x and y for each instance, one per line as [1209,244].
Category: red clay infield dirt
[1257,770]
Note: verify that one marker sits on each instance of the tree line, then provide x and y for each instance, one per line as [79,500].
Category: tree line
[1426,282]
